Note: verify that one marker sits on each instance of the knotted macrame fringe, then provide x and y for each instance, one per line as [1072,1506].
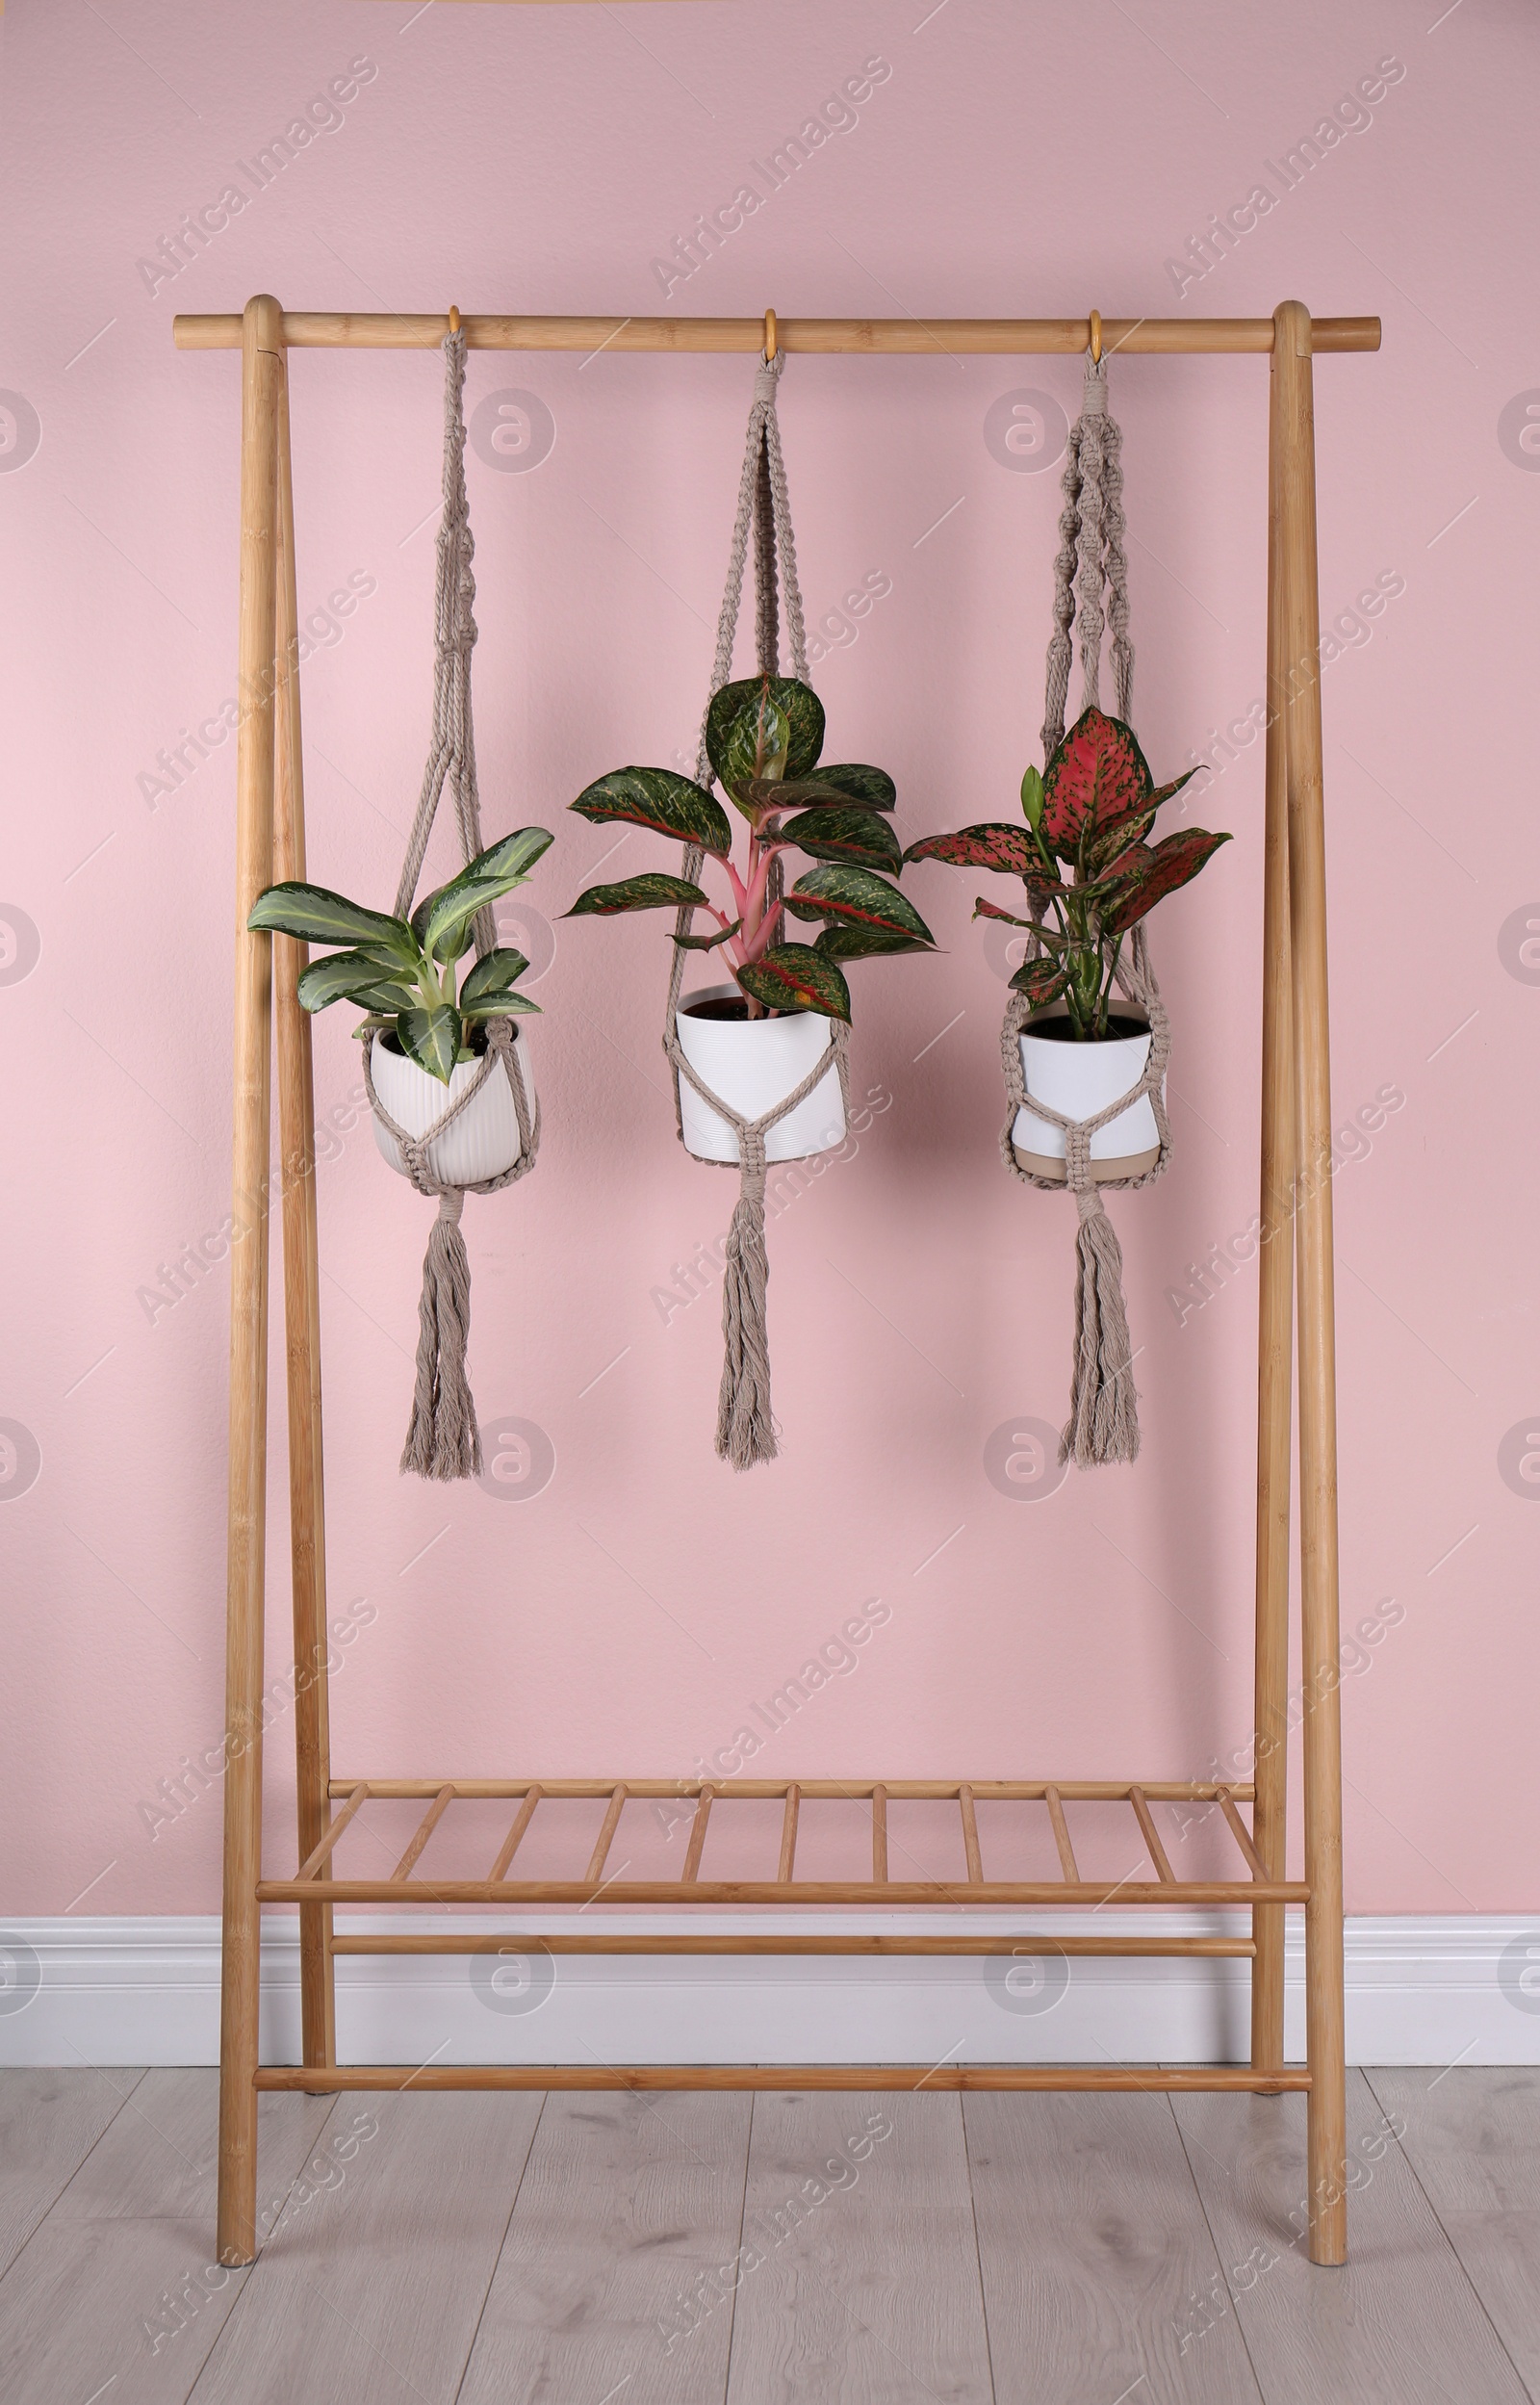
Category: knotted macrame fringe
[745,1424]
[745,1429]
[444,1440]
[1103,1423]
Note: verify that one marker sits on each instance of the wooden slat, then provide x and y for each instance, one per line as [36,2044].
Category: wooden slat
[970,1836]
[879,1836]
[859,2077]
[522,1892]
[1242,1838]
[331,330]
[697,1844]
[423,1832]
[1157,1851]
[789,1835]
[775,1790]
[596,1860]
[314,1860]
[1061,1836]
[560,1941]
[515,1837]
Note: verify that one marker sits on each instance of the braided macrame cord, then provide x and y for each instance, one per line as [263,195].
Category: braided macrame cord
[1103,1423]
[745,1428]
[444,1440]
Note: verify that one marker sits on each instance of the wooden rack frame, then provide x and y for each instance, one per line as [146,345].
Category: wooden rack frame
[1296,1201]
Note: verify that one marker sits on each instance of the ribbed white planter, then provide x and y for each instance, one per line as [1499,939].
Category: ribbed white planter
[482,1142]
[754,1064]
[1081,1079]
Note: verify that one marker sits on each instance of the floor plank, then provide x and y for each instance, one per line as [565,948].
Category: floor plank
[1398,2325]
[1473,2138]
[1092,2241]
[626,2230]
[49,2122]
[859,2272]
[117,2291]
[371,2288]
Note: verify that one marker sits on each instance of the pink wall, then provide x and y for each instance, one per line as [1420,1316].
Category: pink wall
[626,1617]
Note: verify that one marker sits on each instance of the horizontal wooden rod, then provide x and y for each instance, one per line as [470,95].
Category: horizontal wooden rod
[828,1790]
[771,1891]
[556,1942]
[334,329]
[875,2078]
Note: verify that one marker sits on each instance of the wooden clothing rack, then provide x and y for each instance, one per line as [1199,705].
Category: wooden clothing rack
[1295,1189]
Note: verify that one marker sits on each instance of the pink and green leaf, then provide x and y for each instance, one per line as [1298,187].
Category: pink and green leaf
[794,978]
[1041,980]
[1010,850]
[1097,774]
[1154,871]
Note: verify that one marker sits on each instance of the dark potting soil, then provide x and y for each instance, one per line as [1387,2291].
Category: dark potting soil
[722,1006]
[1060,1031]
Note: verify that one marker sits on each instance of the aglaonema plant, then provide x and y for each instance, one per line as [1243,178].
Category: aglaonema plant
[763,738]
[404,971]
[1090,873]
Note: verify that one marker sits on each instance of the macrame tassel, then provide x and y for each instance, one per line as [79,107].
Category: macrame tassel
[444,1440]
[1103,1423]
[744,1430]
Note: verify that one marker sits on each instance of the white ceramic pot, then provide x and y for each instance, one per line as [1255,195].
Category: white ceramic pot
[482,1142]
[1081,1079]
[754,1064]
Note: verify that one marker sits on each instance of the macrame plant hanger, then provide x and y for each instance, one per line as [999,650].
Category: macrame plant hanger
[745,1426]
[443,1439]
[1103,1423]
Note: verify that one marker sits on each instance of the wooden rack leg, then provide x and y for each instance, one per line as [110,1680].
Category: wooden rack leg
[261,369]
[1275,1328]
[301,1283]
[1318,1408]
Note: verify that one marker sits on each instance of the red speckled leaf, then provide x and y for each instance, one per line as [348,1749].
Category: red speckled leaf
[1159,870]
[1010,849]
[1097,774]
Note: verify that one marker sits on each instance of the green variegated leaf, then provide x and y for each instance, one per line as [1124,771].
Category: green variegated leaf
[851,943]
[1041,980]
[707,943]
[344,974]
[317,915]
[431,1039]
[1159,870]
[503,1005]
[855,782]
[754,745]
[845,834]
[858,895]
[657,798]
[446,927]
[1166,791]
[499,969]
[796,704]
[794,978]
[993,845]
[652,891]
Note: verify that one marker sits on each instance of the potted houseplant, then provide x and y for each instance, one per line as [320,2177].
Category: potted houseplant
[429,1024]
[1090,877]
[753,1041]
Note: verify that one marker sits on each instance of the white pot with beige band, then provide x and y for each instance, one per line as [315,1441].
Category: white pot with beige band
[1079,1079]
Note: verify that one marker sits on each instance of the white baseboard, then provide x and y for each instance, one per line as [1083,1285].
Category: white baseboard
[1420,1989]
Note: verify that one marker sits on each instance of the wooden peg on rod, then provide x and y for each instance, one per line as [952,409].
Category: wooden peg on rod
[454,319]
[769,335]
[1096,338]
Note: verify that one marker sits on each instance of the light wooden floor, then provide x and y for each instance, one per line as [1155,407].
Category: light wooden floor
[623,2250]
